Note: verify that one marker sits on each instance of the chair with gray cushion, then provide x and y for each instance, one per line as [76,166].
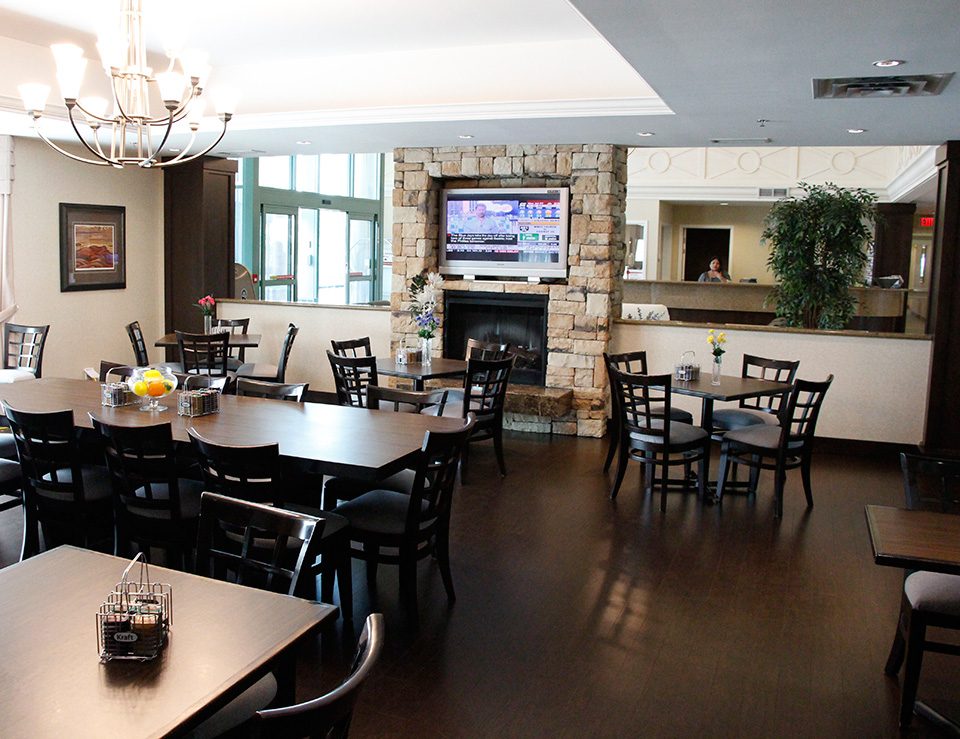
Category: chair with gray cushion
[272,372]
[385,398]
[71,501]
[649,435]
[141,358]
[23,352]
[273,390]
[395,528]
[929,598]
[756,411]
[155,508]
[634,362]
[778,448]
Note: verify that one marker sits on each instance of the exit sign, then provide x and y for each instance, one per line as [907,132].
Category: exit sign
[926,222]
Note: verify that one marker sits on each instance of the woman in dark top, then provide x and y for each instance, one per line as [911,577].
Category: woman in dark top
[714,274]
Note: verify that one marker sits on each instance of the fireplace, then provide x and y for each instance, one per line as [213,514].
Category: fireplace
[506,318]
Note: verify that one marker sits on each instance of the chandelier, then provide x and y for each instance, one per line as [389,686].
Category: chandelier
[131,135]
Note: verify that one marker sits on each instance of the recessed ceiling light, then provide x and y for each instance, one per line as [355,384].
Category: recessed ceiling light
[724,203]
[304,143]
[465,136]
[644,133]
[176,150]
[889,63]
[856,130]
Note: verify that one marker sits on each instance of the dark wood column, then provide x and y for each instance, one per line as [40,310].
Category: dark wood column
[942,432]
[894,237]
[198,203]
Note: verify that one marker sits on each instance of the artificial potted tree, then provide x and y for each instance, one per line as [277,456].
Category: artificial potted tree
[818,252]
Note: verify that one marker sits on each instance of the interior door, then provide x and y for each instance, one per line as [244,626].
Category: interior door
[278,254]
[360,259]
[700,245]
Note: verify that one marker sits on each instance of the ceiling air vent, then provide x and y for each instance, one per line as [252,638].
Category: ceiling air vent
[897,86]
[773,192]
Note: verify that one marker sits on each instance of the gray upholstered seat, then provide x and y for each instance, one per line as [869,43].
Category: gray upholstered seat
[379,511]
[934,592]
[738,418]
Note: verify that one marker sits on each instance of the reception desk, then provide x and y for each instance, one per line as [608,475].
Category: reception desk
[877,309]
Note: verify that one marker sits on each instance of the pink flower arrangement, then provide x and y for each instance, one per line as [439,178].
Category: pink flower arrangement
[207,305]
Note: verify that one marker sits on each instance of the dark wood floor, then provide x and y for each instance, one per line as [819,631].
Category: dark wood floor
[578,617]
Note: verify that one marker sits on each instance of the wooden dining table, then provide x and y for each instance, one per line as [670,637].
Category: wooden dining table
[223,638]
[356,442]
[419,372]
[730,389]
[240,341]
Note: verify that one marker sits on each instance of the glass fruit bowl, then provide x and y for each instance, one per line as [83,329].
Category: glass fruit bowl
[152,383]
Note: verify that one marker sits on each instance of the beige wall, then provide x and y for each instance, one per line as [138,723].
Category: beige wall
[747,257]
[85,326]
[859,404]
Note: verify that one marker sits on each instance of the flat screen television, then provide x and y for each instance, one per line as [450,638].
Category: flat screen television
[521,232]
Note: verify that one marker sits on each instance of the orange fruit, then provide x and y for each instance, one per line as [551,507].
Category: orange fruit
[155,389]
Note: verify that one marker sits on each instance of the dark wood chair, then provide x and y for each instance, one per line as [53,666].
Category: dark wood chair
[330,714]
[71,501]
[929,598]
[23,347]
[477,349]
[141,358]
[649,435]
[272,372]
[203,354]
[756,411]
[778,448]
[235,355]
[351,377]
[114,371]
[154,507]
[352,347]
[635,363]
[484,393]
[255,473]
[412,526]
[273,390]
[385,398]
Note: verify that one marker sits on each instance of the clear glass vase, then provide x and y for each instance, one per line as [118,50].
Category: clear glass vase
[207,324]
[426,349]
[715,375]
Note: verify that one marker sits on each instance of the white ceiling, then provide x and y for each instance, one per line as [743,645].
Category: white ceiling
[371,75]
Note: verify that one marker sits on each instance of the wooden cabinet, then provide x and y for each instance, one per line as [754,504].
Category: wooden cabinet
[198,205]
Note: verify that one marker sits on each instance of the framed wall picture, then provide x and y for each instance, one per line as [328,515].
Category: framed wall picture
[93,249]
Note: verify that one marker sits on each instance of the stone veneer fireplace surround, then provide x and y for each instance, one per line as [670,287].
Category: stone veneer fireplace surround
[581,308]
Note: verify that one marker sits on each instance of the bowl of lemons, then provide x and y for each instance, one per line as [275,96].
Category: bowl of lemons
[152,384]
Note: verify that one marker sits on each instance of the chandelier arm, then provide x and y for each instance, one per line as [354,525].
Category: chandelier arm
[177,160]
[48,142]
[183,152]
[108,160]
[150,160]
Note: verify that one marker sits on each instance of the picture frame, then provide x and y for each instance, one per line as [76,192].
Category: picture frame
[93,247]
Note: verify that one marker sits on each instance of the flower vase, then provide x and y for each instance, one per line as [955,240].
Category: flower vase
[715,376]
[208,324]
[426,349]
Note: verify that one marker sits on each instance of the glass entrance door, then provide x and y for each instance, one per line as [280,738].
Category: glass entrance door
[277,275]
[361,256]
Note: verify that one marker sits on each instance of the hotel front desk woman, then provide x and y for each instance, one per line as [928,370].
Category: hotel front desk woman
[715,273]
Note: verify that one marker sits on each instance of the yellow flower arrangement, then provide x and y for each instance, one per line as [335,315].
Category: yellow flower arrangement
[716,342]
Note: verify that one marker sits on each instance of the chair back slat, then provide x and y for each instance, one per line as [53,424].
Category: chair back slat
[292,331]
[405,401]
[477,349]
[234,326]
[253,544]
[23,347]
[273,390]
[643,403]
[203,354]
[250,473]
[432,492]
[135,333]
[351,377]
[775,370]
[352,347]
[931,483]
[799,416]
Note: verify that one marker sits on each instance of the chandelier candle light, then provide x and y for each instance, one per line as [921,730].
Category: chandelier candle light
[133,131]
[716,344]
[425,290]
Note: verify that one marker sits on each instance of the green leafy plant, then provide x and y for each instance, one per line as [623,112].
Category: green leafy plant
[818,252]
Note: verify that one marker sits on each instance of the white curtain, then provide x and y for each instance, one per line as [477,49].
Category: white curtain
[8,305]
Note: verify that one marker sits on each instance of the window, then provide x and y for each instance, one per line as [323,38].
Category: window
[314,227]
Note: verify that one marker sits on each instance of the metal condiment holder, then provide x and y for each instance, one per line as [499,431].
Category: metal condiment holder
[116,394]
[134,621]
[201,402]
[687,368]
